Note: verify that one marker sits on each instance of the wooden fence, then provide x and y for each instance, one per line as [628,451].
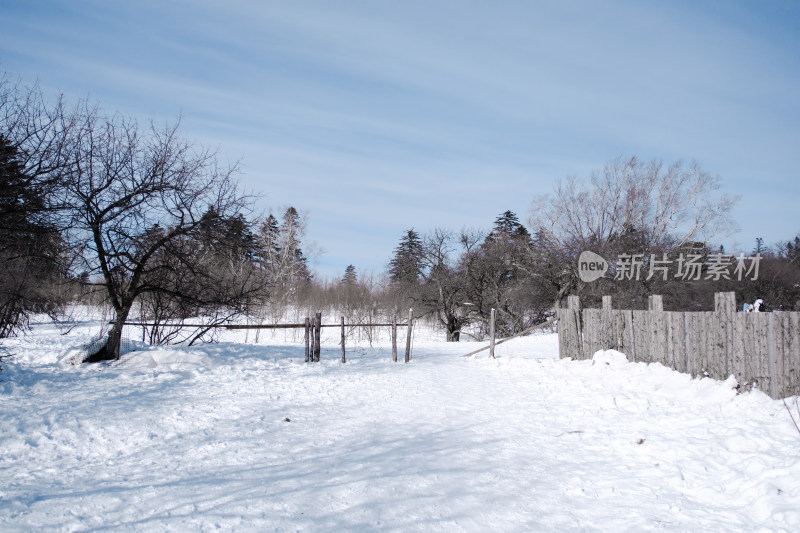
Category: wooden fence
[312,327]
[761,350]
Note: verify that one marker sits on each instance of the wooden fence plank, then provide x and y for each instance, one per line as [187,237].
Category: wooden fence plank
[655,341]
[687,330]
[776,369]
[572,333]
[629,336]
[592,331]
[760,375]
[607,325]
[308,337]
[344,357]
[408,335]
[676,345]
[698,342]
[749,347]
[641,335]
[759,349]
[772,320]
[317,336]
[791,358]
[394,339]
[703,342]
[717,356]
[737,363]
[619,343]
[660,339]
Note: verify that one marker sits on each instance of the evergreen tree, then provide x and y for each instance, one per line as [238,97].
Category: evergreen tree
[288,265]
[496,277]
[793,250]
[269,246]
[30,247]
[226,236]
[407,263]
[349,278]
[759,249]
[507,226]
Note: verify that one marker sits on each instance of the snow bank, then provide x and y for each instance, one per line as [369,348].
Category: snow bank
[610,357]
[250,438]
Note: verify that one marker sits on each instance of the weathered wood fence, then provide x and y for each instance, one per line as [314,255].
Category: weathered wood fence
[761,350]
[312,327]
[493,342]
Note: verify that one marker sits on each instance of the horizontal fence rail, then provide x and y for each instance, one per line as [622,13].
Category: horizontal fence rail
[761,350]
[520,334]
[312,327]
[253,326]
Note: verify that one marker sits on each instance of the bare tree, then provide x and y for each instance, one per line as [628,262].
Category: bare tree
[444,279]
[670,205]
[134,201]
[632,206]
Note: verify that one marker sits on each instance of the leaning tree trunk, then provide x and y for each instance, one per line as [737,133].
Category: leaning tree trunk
[110,351]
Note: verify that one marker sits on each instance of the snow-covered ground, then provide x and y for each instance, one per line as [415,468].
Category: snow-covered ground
[246,437]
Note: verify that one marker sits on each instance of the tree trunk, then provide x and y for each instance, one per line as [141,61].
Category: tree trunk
[110,351]
[453,329]
[452,325]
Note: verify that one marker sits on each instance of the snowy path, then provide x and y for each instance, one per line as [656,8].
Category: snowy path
[442,444]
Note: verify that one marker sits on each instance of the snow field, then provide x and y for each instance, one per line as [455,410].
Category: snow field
[246,437]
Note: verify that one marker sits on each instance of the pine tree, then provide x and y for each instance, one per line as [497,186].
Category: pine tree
[508,225]
[349,277]
[30,247]
[759,249]
[406,265]
[291,232]
[793,250]
[269,242]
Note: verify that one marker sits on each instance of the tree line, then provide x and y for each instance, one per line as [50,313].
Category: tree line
[139,217]
[659,218]
[95,207]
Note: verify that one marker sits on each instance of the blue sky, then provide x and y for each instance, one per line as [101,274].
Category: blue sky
[373,117]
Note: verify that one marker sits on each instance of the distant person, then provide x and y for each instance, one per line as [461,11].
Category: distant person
[747,307]
[759,307]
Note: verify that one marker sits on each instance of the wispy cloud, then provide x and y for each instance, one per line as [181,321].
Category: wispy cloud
[379,116]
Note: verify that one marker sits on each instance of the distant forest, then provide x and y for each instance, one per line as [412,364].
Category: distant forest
[97,209]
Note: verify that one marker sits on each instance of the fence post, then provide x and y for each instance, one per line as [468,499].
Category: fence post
[608,327]
[724,309]
[575,344]
[343,357]
[491,332]
[308,337]
[317,338]
[687,328]
[656,330]
[655,302]
[771,363]
[394,338]
[408,335]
